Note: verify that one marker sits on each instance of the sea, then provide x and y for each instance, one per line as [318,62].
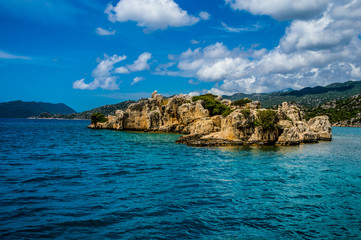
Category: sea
[61,180]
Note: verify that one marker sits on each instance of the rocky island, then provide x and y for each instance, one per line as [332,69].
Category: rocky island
[209,120]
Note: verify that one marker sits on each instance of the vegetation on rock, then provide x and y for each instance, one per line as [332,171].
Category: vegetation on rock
[266,119]
[241,102]
[214,106]
[98,118]
[246,113]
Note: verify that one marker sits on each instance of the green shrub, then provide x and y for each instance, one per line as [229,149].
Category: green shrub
[97,117]
[266,119]
[246,113]
[226,112]
[241,102]
[214,107]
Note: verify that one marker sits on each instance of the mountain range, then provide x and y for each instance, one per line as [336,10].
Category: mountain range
[314,99]
[309,96]
[106,110]
[20,109]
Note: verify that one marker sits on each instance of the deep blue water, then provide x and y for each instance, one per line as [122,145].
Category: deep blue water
[60,180]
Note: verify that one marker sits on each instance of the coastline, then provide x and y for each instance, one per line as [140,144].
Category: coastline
[77,119]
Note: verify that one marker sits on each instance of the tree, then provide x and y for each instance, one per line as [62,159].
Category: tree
[97,117]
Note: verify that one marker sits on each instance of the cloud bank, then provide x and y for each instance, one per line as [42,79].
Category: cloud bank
[321,45]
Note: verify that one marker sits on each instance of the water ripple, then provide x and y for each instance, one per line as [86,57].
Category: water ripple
[59,179]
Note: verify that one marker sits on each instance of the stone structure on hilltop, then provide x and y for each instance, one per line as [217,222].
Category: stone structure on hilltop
[248,124]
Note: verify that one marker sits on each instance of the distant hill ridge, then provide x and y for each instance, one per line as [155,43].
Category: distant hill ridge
[20,109]
[309,96]
[106,110]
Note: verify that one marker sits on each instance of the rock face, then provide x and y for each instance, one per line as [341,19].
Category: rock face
[244,125]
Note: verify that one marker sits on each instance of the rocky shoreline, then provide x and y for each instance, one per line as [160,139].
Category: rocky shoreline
[243,125]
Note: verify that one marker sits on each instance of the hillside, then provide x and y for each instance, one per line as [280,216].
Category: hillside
[343,112]
[310,97]
[20,109]
[106,110]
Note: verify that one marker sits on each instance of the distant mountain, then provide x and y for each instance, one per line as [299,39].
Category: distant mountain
[307,96]
[106,110]
[20,109]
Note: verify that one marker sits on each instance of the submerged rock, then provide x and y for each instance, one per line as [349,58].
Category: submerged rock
[245,125]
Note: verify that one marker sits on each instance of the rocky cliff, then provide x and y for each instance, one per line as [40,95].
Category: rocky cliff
[248,124]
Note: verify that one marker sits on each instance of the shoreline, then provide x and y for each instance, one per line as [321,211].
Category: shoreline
[77,119]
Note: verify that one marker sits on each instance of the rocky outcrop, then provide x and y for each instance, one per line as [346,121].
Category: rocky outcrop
[244,125]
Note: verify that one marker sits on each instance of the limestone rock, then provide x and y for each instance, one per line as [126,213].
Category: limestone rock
[242,126]
[289,112]
[253,105]
[322,126]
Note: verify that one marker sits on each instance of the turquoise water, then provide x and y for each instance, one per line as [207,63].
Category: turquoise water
[60,180]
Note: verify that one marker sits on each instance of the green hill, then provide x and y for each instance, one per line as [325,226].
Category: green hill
[310,97]
[106,110]
[20,109]
[342,112]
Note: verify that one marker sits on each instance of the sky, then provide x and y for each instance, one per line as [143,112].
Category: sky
[88,53]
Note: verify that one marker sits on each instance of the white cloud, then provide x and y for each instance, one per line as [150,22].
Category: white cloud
[141,63]
[6,55]
[281,9]
[138,65]
[315,51]
[103,32]
[355,72]
[192,94]
[204,15]
[194,41]
[239,29]
[193,82]
[122,70]
[320,46]
[322,33]
[151,14]
[137,80]
[102,75]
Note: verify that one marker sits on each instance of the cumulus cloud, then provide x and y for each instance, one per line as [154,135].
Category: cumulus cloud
[137,80]
[204,15]
[103,32]
[317,50]
[102,75]
[138,65]
[281,9]
[192,94]
[141,63]
[152,14]
[6,55]
[105,73]
[122,70]
[194,41]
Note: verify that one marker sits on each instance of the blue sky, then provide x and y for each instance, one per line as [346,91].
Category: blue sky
[91,53]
